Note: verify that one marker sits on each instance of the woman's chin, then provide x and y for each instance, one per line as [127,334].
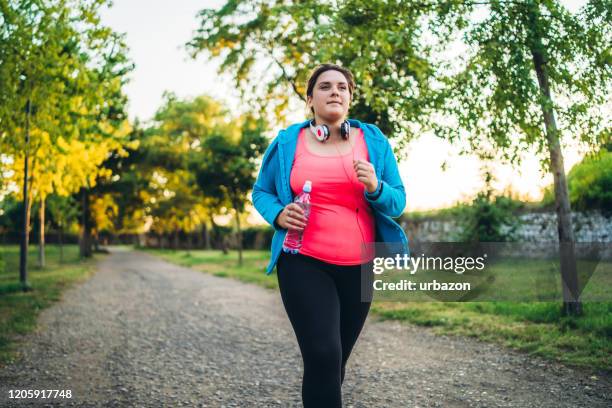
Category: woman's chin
[333,114]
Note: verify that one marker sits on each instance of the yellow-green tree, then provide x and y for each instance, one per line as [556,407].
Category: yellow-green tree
[172,199]
[64,71]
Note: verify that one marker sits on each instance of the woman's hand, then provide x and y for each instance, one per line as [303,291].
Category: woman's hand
[292,217]
[366,174]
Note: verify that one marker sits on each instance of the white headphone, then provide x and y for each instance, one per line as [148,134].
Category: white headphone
[322,133]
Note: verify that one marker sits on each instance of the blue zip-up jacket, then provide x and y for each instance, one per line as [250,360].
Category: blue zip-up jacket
[272,191]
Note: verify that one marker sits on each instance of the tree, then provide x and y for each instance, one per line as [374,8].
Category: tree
[226,168]
[270,48]
[533,61]
[127,186]
[173,199]
[33,68]
[67,70]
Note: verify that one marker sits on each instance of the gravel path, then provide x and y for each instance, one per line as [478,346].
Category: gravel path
[146,333]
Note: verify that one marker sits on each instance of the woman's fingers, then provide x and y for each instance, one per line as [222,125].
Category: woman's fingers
[296,208]
[365,166]
[294,217]
[295,227]
[295,224]
[298,222]
[296,212]
[362,165]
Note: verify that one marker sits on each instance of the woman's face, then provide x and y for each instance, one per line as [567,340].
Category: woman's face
[331,96]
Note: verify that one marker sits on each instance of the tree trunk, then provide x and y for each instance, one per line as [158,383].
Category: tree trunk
[189,242]
[224,245]
[220,239]
[96,240]
[23,253]
[569,273]
[61,244]
[85,244]
[41,239]
[206,236]
[199,244]
[175,244]
[239,237]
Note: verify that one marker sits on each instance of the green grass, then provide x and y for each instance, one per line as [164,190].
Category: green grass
[19,310]
[538,328]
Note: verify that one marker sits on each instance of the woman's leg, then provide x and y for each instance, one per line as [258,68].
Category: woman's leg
[353,311]
[311,301]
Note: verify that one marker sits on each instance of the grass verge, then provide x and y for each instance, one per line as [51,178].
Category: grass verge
[19,310]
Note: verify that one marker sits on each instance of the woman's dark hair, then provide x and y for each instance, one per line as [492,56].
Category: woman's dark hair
[329,67]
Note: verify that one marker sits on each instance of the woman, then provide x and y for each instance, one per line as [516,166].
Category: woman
[356,189]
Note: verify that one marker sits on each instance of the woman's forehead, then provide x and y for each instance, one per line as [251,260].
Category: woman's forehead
[331,76]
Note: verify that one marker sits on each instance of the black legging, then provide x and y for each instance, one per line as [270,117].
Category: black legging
[323,302]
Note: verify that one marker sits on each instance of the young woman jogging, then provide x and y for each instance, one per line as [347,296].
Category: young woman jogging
[356,190]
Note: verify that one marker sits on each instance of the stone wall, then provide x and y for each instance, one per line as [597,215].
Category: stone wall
[590,226]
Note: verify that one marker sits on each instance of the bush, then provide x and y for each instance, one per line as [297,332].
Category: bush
[589,183]
[489,219]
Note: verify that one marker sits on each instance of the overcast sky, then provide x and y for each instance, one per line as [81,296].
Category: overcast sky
[156,33]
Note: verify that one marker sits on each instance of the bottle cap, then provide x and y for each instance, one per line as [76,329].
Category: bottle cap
[307,186]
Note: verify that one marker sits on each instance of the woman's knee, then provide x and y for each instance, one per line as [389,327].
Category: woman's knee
[323,355]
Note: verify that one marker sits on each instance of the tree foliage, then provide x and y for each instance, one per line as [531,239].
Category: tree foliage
[495,97]
[225,171]
[271,47]
[61,100]
[589,183]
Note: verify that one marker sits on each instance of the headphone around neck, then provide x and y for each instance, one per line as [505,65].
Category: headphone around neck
[322,132]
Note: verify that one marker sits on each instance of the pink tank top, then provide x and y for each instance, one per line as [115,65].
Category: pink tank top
[340,216]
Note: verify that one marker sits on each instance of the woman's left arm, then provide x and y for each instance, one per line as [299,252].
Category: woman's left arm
[389,196]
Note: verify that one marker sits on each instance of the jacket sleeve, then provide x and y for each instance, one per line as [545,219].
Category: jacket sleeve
[389,196]
[265,196]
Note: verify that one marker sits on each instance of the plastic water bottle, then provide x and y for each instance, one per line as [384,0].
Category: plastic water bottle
[293,238]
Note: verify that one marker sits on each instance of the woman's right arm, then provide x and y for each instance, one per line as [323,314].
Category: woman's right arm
[265,196]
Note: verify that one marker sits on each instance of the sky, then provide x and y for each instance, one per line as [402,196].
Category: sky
[156,32]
